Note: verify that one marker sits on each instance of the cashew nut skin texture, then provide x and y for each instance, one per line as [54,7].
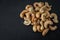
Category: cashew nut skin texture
[55,19]
[53,28]
[45,31]
[48,22]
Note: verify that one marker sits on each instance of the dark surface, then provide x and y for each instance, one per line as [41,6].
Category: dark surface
[12,27]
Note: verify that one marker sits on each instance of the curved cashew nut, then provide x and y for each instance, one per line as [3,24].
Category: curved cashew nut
[22,14]
[53,28]
[38,15]
[36,4]
[55,17]
[27,22]
[34,20]
[41,4]
[47,14]
[29,8]
[29,15]
[37,9]
[45,31]
[34,28]
[43,16]
[42,27]
[48,6]
[38,28]
[48,22]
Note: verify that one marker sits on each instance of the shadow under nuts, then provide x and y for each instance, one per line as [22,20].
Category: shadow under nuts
[40,17]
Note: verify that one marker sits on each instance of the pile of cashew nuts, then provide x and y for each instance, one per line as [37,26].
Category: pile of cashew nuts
[40,17]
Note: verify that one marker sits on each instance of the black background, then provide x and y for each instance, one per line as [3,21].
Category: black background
[12,27]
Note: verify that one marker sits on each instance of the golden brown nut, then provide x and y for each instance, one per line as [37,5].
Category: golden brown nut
[53,28]
[36,4]
[22,14]
[38,15]
[43,16]
[45,32]
[42,26]
[29,8]
[48,22]
[34,28]
[41,4]
[27,22]
[55,17]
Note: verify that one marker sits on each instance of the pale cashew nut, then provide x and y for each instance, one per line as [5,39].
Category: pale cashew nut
[29,8]
[53,28]
[38,15]
[43,16]
[38,28]
[48,6]
[42,26]
[47,22]
[36,4]
[27,22]
[34,28]
[37,9]
[41,4]
[22,14]
[41,10]
[55,17]
[45,31]
[34,21]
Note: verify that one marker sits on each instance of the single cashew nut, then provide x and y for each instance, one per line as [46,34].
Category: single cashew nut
[36,4]
[38,15]
[34,28]
[55,17]
[42,26]
[29,8]
[45,32]
[27,22]
[38,28]
[41,4]
[53,28]
[37,9]
[48,22]
[22,14]
[43,17]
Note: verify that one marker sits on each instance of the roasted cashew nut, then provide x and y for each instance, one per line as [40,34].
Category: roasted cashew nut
[42,26]
[29,8]
[27,22]
[34,28]
[53,28]
[47,22]
[55,17]
[22,14]
[41,4]
[48,7]
[38,28]
[38,14]
[45,31]
[43,17]
[36,4]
